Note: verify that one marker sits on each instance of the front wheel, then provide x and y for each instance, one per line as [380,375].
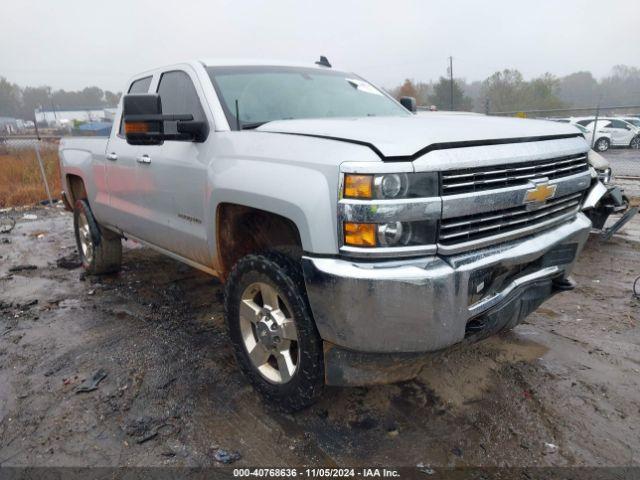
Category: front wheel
[635,143]
[603,144]
[275,340]
[100,250]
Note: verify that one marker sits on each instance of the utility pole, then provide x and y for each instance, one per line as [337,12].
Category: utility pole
[451,79]
[595,122]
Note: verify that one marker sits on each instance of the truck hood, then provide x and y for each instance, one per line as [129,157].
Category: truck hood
[411,136]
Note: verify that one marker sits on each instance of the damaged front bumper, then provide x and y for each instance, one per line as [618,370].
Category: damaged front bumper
[607,201]
[378,319]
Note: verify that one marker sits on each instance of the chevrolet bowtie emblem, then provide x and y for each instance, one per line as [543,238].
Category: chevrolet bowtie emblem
[541,193]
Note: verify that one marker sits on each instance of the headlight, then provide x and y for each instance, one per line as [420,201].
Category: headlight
[390,234]
[393,185]
[394,234]
[388,186]
[604,175]
[394,213]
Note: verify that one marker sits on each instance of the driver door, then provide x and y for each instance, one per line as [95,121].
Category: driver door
[125,210]
[172,177]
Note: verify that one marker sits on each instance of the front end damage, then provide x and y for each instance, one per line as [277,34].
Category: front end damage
[511,222]
[612,201]
[605,199]
[381,320]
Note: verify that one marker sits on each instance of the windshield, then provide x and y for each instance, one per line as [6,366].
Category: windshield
[633,121]
[581,128]
[266,93]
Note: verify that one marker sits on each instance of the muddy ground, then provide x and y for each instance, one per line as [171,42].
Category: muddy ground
[562,389]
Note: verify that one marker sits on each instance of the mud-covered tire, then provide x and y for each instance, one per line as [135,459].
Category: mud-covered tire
[284,274]
[105,254]
[602,144]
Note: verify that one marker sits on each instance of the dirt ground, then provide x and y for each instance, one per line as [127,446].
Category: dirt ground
[562,389]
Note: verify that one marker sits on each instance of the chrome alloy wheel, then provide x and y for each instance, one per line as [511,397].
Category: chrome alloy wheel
[635,143]
[269,333]
[602,145]
[84,234]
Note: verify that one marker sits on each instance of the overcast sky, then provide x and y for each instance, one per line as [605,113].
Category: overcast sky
[74,43]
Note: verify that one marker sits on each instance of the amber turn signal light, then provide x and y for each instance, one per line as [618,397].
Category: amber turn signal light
[360,234]
[358,186]
[136,127]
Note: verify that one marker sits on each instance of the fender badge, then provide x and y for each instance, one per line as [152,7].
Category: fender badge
[540,194]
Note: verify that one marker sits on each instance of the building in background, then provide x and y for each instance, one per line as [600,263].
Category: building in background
[8,125]
[95,129]
[68,118]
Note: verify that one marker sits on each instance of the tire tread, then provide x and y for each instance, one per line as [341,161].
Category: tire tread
[308,383]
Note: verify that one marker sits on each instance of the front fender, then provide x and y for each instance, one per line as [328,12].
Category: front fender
[305,195]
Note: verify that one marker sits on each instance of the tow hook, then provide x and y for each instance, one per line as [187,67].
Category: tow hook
[563,284]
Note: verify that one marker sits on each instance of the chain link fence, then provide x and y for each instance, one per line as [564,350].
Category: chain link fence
[29,170]
[625,163]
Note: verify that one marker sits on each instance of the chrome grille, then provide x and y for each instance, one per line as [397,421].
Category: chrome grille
[458,230]
[500,176]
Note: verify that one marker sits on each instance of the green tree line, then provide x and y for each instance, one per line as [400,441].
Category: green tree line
[507,91]
[19,102]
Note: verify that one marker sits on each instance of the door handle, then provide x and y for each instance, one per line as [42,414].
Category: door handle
[112,156]
[143,158]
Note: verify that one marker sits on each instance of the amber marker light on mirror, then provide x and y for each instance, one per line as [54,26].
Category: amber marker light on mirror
[360,234]
[136,127]
[358,186]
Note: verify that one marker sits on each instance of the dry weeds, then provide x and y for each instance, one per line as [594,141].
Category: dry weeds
[20,177]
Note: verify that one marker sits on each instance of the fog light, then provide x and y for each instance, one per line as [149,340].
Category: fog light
[360,234]
[604,175]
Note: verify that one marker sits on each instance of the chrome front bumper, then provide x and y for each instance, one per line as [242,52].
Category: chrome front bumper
[425,304]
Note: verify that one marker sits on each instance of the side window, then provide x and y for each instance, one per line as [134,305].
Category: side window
[137,86]
[140,86]
[179,97]
[618,124]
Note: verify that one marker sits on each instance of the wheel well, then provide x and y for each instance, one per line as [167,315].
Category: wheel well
[77,190]
[243,230]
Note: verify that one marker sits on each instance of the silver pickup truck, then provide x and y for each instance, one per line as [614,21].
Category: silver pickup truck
[353,236]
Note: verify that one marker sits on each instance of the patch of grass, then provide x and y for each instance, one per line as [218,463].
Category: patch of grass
[20,177]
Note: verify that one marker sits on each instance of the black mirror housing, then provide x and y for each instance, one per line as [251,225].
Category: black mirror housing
[409,103]
[142,116]
[144,122]
[194,130]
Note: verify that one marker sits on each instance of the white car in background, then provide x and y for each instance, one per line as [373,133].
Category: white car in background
[623,134]
[635,121]
[602,140]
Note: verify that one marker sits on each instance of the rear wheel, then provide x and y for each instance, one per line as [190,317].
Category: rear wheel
[603,144]
[275,340]
[100,250]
